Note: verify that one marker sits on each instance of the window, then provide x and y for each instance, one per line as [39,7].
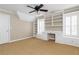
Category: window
[74,25]
[40,26]
[70,24]
[67,25]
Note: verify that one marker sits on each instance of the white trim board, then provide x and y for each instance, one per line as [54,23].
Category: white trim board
[20,39]
[17,40]
[75,45]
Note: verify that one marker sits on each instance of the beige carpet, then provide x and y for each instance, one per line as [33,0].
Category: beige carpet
[34,46]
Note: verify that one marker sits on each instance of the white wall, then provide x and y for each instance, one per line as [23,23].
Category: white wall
[60,38]
[25,17]
[19,29]
[78,25]
[42,36]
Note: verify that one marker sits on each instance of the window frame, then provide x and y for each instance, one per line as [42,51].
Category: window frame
[64,27]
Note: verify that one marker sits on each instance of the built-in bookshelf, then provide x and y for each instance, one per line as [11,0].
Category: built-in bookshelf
[48,21]
[34,27]
[54,22]
[57,21]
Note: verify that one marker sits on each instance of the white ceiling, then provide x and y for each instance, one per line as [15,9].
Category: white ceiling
[24,8]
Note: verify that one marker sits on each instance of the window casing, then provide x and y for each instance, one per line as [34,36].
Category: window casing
[70,24]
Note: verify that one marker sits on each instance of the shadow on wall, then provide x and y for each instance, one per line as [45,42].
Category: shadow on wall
[25,17]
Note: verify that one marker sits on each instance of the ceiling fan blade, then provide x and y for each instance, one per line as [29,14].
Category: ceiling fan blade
[44,10]
[40,6]
[30,7]
[32,11]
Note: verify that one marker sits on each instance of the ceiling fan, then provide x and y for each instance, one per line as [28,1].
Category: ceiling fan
[37,8]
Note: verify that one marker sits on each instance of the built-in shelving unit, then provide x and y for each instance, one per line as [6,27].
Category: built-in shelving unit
[57,22]
[48,21]
[54,22]
[34,27]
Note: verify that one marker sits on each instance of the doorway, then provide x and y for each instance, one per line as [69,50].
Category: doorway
[4,28]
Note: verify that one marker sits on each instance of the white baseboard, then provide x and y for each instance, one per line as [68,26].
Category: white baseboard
[17,40]
[20,39]
[67,43]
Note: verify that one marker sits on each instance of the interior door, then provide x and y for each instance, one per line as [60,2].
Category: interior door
[4,28]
